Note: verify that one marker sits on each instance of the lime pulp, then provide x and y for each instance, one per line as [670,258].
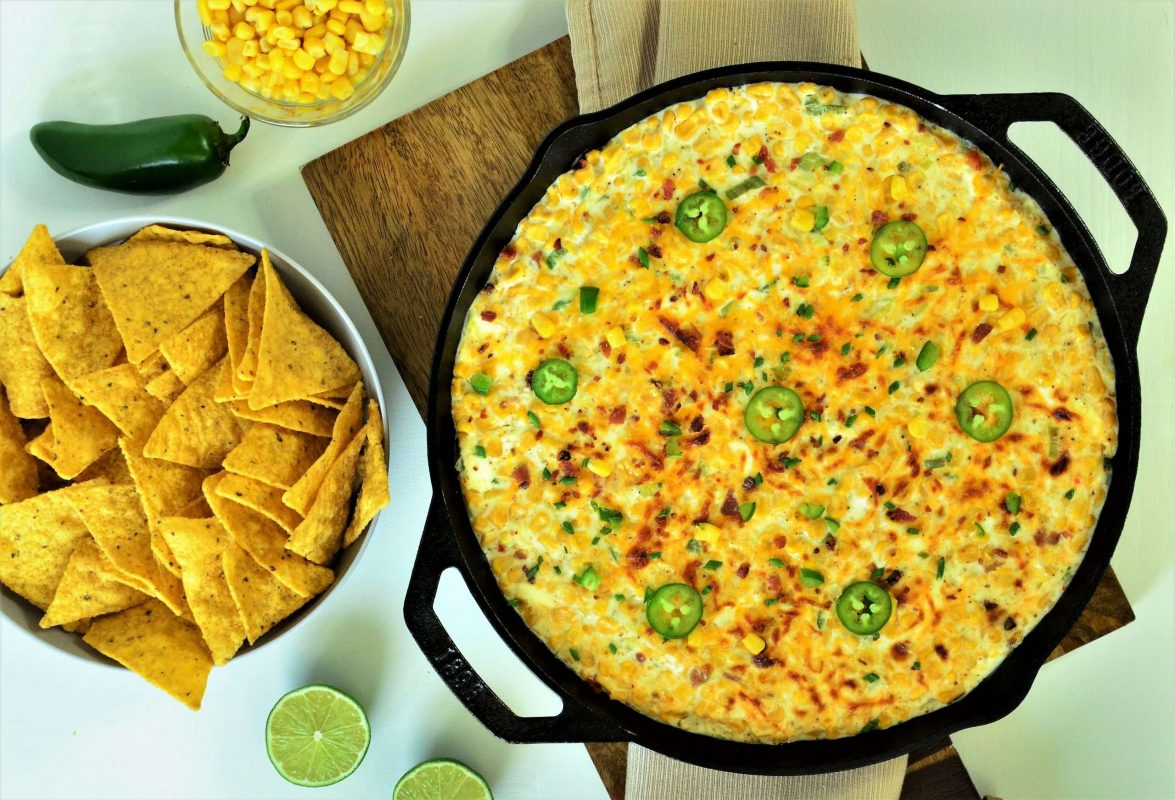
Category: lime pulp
[316,736]
[441,779]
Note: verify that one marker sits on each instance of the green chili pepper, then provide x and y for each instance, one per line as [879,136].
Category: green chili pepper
[162,155]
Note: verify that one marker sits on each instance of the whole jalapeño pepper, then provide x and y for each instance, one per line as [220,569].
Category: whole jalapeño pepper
[161,155]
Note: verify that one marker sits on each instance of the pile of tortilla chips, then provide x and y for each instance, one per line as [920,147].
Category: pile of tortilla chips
[183,452]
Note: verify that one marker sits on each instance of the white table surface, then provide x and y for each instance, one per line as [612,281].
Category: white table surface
[1098,723]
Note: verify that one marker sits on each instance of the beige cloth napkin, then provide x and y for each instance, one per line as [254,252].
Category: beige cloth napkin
[620,47]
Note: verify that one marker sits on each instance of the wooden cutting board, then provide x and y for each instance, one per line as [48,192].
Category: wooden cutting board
[404,204]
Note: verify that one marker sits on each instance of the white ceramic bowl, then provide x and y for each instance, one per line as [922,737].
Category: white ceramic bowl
[317,302]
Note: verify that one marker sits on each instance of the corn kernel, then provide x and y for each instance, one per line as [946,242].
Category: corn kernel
[370,43]
[251,49]
[303,60]
[754,644]
[895,187]
[707,532]
[283,32]
[220,30]
[332,43]
[302,18]
[244,31]
[989,302]
[251,69]
[599,467]
[336,27]
[323,6]
[233,72]
[351,7]
[918,427]
[290,71]
[352,64]
[314,47]
[376,6]
[342,88]
[615,337]
[716,290]
[803,220]
[338,62]
[309,83]
[543,325]
[214,49]
[218,5]
[284,17]
[352,29]
[371,22]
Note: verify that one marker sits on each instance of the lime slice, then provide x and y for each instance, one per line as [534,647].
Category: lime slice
[441,779]
[316,736]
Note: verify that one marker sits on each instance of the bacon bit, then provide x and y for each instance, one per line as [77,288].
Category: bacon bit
[852,371]
[690,573]
[749,485]
[582,426]
[1041,538]
[618,415]
[640,657]
[605,348]
[509,251]
[699,440]
[663,218]
[980,333]
[774,583]
[859,442]
[637,558]
[766,160]
[724,341]
[697,424]
[743,570]
[699,675]
[931,388]
[974,159]
[1001,269]
[1000,553]
[837,135]
[521,476]
[563,350]
[879,218]
[1009,624]
[972,489]
[667,188]
[989,606]
[564,455]
[900,650]
[893,577]
[900,515]
[488,288]
[719,402]
[829,542]
[915,466]
[818,348]
[879,489]
[654,250]
[689,338]
[730,505]
[668,401]
[1063,414]
[908,217]
[489,316]
[942,651]
[1061,465]
[763,661]
[737,146]
[537,257]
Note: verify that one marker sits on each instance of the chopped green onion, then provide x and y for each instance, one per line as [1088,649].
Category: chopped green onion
[872,677]
[514,602]
[534,420]
[942,567]
[836,168]
[805,310]
[619,598]
[479,451]
[1043,230]
[897,362]
[554,256]
[670,428]
[642,255]
[811,510]
[813,337]
[673,446]
[810,160]
[1031,334]
[712,565]
[811,578]
[758,362]
[588,297]
[693,546]
[845,349]
[729,387]
[788,462]
[893,283]
[567,480]
[574,653]
[731,161]
[748,185]
[656,554]
[1069,494]
[612,648]
[481,383]
[893,387]
[927,356]
[758,478]
[934,463]
[608,515]
[560,304]
[567,526]
[589,578]
[770,601]
[746,511]
[776,562]
[814,416]
[1014,528]
[833,524]
[821,214]
[851,419]
[704,186]
[916,666]
[858,297]
[640,173]
[801,280]
[979,530]
[913,531]
[877,573]
[1012,503]
[869,410]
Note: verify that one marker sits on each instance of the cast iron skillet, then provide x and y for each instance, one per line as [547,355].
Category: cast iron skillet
[591,716]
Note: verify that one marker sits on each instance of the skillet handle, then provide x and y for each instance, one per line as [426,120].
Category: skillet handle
[994,113]
[438,552]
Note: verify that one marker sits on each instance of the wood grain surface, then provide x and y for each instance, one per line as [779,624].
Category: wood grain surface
[404,204]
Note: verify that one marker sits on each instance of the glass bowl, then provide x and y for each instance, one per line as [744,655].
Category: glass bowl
[193,34]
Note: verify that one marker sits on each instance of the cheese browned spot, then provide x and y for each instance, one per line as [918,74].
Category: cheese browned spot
[648,475]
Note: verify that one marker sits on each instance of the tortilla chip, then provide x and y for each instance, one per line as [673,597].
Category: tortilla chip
[89,588]
[121,394]
[110,468]
[274,455]
[339,393]
[153,366]
[297,415]
[39,247]
[197,509]
[347,424]
[115,518]
[158,233]
[320,534]
[18,475]
[373,476]
[81,433]
[236,329]
[226,390]
[198,545]
[262,601]
[79,626]
[265,541]
[254,311]
[262,498]
[37,537]
[22,365]
[197,347]
[166,387]
[71,324]
[156,289]
[196,430]
[157,645]
[327,402]
[295,358]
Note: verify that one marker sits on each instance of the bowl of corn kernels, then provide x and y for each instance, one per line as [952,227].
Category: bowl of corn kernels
[294,62]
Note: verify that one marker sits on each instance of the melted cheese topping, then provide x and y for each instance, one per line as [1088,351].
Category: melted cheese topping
[908,498]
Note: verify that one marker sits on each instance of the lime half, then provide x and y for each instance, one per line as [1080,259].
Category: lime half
[441,779]
[316,736]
